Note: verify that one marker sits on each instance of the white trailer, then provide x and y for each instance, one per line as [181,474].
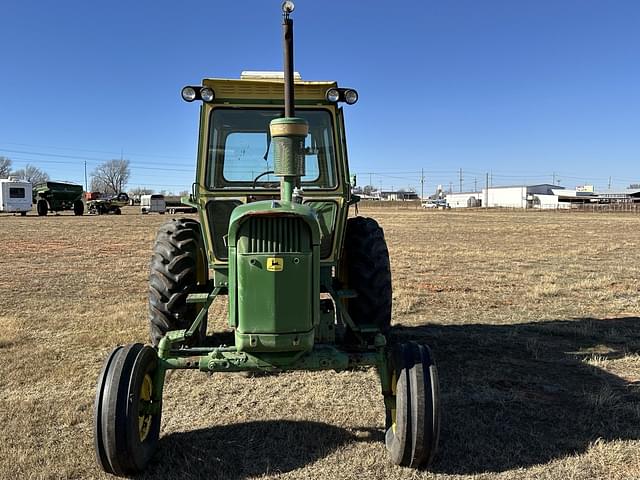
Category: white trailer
[153,203]
[15,196]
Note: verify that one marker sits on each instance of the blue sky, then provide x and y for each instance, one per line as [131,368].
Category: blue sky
[519,88]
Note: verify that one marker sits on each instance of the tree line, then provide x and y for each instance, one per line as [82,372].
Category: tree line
[110,177]
[30,173]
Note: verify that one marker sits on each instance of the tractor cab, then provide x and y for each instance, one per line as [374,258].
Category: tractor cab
[236,154]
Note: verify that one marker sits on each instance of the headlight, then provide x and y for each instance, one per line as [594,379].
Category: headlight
[288,7]
[350,96]
[207,94]
[332,95]
[188,94]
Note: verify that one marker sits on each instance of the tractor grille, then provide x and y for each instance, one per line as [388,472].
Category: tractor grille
[274,235]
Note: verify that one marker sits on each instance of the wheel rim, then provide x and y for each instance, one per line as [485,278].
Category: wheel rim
[144,419]
[394,388]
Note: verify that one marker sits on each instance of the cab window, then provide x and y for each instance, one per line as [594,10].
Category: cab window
[240,151]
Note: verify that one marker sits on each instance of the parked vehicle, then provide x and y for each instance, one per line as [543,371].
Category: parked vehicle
[153,203]
[440,203]
[57,197]
[15,196]
[109,205]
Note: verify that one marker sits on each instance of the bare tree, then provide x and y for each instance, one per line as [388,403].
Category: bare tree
[136,192]
[5,167]
[32,174]
[111,177]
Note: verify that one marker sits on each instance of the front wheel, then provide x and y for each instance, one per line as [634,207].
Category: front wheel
[126,418]
[413,426]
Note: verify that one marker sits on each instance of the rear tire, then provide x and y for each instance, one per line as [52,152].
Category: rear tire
[42,207]
[178,267]
[78,207]
[366,270]
[117,211]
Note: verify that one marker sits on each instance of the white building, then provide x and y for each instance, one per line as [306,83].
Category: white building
[515,196]
[464,199]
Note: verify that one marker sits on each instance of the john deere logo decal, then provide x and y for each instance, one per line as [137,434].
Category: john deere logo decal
[275,264]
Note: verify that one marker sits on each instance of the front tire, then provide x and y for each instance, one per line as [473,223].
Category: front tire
[126,420]
[366,269]
[413,427]
[178,267]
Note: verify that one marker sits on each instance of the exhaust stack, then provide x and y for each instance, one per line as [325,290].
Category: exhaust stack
[288,133]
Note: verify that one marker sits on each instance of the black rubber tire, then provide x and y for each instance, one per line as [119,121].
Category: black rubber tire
[23,214]
[42,207]
[117,211]
[178,267]
[78,207]
[120,450]
[366,270]
[98,441]
[414,440]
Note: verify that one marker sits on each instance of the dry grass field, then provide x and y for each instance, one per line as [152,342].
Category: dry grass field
[534,319]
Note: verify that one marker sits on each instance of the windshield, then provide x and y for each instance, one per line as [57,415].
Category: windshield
[240,149]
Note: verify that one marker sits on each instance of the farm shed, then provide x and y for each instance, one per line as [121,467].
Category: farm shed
[464,199]
[630,195]
[520,196]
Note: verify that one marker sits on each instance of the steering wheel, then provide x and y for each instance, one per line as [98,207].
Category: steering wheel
[255,180]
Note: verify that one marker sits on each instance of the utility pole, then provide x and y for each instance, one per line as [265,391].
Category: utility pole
[450,187]
[475,184]
[554,179]
[421,184]
[485,200]
[609,183]
[461,180]
[86,188]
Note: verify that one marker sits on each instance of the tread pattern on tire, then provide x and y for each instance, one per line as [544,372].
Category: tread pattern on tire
[173,276]
[119,448]
[415,440]
[368,273]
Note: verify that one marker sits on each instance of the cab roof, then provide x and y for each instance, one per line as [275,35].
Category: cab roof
[266,88]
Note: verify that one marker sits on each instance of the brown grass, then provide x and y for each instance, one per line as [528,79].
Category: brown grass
[533,318]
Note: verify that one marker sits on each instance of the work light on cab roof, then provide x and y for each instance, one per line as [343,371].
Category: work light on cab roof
[308,283]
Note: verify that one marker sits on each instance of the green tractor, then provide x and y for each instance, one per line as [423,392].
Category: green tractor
[308,288]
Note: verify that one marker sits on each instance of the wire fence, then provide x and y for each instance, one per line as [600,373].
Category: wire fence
[621,207]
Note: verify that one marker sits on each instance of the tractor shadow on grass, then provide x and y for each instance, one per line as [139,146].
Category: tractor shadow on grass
[249,449]
[519,395]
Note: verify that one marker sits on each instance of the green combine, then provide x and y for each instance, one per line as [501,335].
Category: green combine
[308,288]
[57,197]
